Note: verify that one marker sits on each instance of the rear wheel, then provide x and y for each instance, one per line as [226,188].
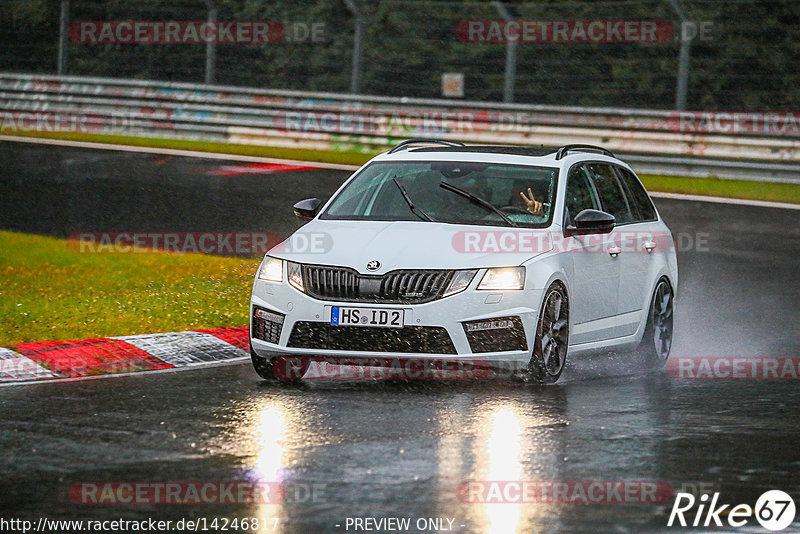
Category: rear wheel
[657,339]
[549,352]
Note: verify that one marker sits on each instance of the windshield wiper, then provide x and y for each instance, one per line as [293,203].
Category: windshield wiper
[415,210]
[479,201]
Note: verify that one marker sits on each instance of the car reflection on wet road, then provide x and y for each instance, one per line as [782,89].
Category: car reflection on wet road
[384,449]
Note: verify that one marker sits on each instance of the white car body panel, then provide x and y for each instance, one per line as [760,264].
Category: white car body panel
[400,245]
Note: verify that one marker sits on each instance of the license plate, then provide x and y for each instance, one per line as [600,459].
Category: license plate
[346,316]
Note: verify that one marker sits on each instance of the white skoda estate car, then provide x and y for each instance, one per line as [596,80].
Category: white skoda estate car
[471,254]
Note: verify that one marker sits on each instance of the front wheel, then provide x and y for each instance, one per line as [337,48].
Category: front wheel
[657,339]
[263,366]
[549,352]
[288,369]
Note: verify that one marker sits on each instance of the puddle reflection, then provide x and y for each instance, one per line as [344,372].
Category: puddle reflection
[371,444]
[499,448]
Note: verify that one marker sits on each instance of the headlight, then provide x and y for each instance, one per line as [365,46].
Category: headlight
[503,278]
[460,281]
[271,270]
[295,276]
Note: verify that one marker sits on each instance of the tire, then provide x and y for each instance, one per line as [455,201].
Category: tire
[262,366]
[265,368]
[657,338]
[549,353]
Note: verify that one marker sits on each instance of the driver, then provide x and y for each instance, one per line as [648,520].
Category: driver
[533,206]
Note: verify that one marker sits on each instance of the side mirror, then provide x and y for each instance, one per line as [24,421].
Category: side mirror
[592,222]
[307,209]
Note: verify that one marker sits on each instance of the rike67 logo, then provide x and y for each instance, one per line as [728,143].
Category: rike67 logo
[774,510]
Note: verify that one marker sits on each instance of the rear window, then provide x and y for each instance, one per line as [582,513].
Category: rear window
[637,196]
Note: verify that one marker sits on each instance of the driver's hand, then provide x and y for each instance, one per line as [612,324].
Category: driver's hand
[531,204]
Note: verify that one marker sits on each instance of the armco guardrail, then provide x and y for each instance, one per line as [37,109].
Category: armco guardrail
[652,140]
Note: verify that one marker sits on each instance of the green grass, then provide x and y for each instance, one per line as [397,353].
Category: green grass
[51,291]
[716,187]
[349,155]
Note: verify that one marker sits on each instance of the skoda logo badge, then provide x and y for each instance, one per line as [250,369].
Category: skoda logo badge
[373,265]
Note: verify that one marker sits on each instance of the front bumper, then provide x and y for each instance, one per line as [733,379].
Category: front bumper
[433,330]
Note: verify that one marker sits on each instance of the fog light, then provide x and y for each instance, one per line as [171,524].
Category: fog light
[496,335]
[268,316]
[498,324]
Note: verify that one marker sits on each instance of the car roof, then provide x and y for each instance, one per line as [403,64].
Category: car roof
[490,149]
[520,155]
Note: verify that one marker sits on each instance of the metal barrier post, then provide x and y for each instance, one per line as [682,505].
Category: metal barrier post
[358,46]
[511,57]
[211,48]
[682,87]
[62,37]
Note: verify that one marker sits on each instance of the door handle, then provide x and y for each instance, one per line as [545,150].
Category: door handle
[614,251]
[649,246]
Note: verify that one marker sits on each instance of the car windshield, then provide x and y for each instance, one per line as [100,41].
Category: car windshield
[451,192]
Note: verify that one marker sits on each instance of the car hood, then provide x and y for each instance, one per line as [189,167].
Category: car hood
[411,245]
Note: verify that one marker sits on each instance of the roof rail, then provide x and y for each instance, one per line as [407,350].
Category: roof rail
[567,148]
[405,144]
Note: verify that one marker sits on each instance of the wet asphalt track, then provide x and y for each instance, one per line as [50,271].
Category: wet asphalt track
[401,450]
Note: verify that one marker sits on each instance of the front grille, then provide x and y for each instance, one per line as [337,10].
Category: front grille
[399,287]
[413,339]
[493,339]
[267,325]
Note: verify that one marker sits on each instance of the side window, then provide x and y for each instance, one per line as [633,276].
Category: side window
[580,194]
[637,196]
[612,197]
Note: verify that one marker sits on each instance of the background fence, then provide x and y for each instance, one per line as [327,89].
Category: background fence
[721,55]
[654,141]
